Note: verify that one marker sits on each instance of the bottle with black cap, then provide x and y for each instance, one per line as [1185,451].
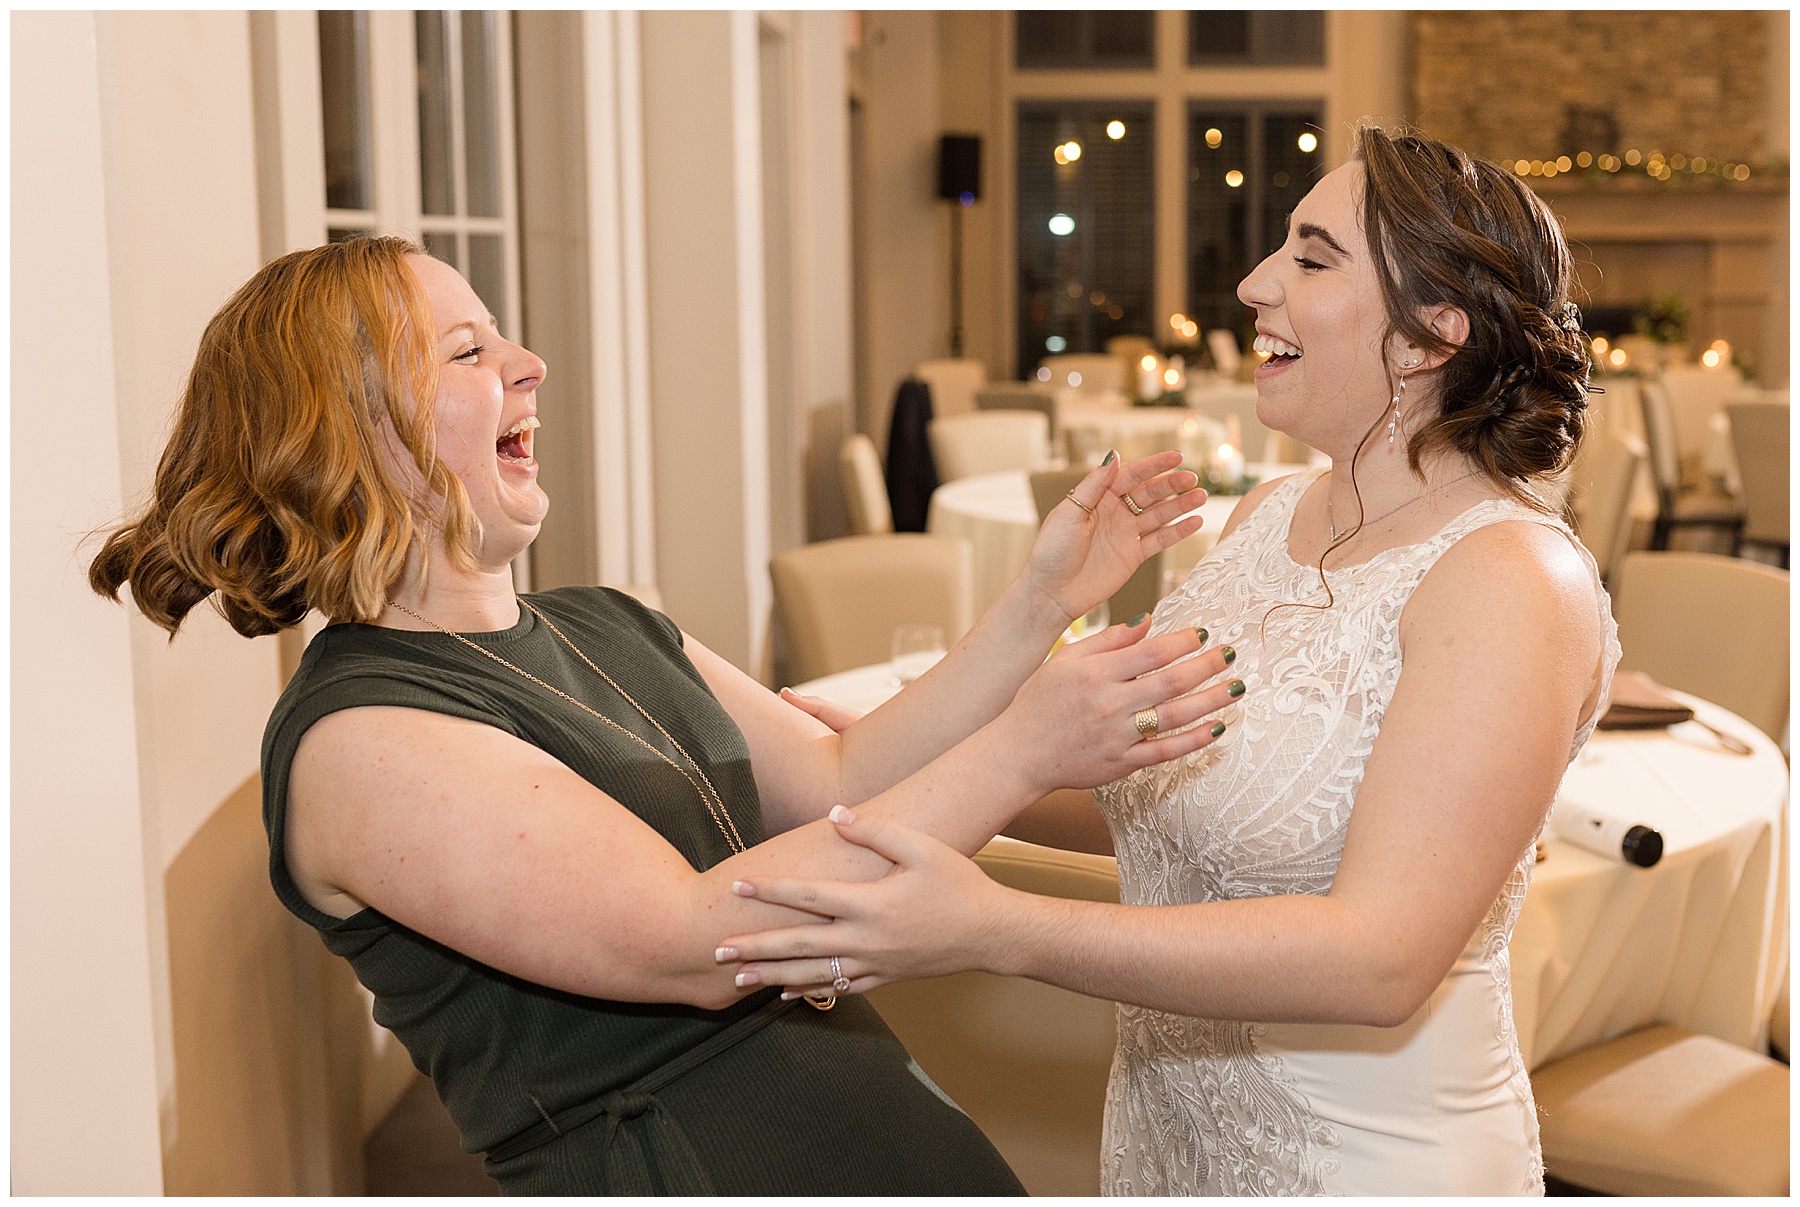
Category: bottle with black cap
[1604,834]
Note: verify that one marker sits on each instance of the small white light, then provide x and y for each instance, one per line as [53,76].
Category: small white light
[1710,359]
[1177,320]
[1190,329]
[1225,450]
[1074,378]
[1055,343]
[1600,345]
[1617,358]
[1148,364]
[1115,130]
[1233,179]
[1043,374]
[1214,137]
[1308,141]
[1170,377]
[1071,151]
[1062,224]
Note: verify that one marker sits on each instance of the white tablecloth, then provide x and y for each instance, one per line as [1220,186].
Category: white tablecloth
[1602,948]
[996,515]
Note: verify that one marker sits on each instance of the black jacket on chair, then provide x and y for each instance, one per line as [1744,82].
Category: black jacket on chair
[911,473]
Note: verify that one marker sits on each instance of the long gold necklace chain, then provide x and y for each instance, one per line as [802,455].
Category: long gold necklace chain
[709,795]
[1331,512]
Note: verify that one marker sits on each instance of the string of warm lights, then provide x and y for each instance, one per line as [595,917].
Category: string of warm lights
[1653,164]
[1610,356]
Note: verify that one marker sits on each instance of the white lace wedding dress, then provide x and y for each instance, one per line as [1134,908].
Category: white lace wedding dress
[1438,1105]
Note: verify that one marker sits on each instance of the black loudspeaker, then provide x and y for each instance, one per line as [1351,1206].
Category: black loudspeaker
[959,167]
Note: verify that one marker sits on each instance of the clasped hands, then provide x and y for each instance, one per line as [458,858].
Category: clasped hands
[935,912]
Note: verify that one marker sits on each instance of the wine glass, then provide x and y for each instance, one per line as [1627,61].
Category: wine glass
[915,650]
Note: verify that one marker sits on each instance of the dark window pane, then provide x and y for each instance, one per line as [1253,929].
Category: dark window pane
[437,180]
[344,93]
[487,275]
[1260,38]
[1061,38]
[1248,167]
[1290,38]
[1288,171]
[338,234]
[1085,226]
[481,115]
[442,246]
[1218,36]
[1218,215]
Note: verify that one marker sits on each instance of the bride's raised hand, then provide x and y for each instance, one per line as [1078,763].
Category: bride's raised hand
[1075,723]
[931,914]
[1090,544]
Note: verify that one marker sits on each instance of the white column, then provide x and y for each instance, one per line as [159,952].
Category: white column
[705,337]
[84,1068]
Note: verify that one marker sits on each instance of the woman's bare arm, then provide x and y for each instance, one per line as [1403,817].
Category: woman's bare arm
[490,846]
[1501,644]
[1077,559]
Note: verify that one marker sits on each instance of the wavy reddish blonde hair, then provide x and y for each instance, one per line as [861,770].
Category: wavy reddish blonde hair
[273,495]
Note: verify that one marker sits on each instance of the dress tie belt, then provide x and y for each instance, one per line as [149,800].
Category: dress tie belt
[644,1149]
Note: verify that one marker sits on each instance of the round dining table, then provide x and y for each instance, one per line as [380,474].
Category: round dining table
[996,515]
[1602,947]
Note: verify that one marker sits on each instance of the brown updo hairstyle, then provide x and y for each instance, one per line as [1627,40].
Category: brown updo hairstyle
[273,495]
[1445,227]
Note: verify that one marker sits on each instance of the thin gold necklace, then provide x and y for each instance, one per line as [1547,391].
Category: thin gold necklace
[709,795]
[1331,512]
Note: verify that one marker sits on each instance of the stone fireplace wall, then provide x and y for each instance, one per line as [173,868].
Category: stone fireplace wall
[1512,85]
[1535,85]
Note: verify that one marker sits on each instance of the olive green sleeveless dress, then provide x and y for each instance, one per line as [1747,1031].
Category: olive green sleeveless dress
[576,1095]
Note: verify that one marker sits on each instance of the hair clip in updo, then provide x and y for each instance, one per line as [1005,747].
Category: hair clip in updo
[1571,317]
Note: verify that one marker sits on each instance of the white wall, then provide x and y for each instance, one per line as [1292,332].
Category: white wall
[135,212]
[707,344]
[905,313]
[84,1082]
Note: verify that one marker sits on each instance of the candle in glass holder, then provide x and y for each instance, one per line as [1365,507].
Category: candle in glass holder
[1228,465]
[1149,377]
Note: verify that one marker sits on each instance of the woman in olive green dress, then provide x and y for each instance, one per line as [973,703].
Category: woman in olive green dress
[520,818]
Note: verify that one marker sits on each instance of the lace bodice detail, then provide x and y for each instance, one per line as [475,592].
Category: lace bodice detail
[1194,1107]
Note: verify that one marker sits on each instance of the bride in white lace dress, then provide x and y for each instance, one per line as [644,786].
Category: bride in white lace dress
[1311,951]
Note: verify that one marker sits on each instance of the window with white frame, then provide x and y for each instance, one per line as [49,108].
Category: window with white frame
[417,115]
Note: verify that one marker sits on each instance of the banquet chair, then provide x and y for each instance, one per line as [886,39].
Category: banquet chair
[1019,396]
[1695,395]
[1713,626]
[1601,482]
[987,442]
[1665,1111]
[838,602]
[1679,505]
[1129,351]
[1086,372]
[1028,1061]
[953,383]
[865,487]
[1142,590]
[1759,436]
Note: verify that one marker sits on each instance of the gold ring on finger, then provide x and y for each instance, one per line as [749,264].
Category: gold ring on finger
[1132,504]
[1071,497]
[1147,722]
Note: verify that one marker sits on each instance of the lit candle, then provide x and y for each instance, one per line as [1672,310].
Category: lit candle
[1149,377]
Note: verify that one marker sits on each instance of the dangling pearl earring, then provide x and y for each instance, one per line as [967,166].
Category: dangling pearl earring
[1394,419]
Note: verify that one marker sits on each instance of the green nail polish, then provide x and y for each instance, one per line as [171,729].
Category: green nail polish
[1230,655]
[1110,454]
[1218,728]
[1137,620]
[1236,689]
[1201,634]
